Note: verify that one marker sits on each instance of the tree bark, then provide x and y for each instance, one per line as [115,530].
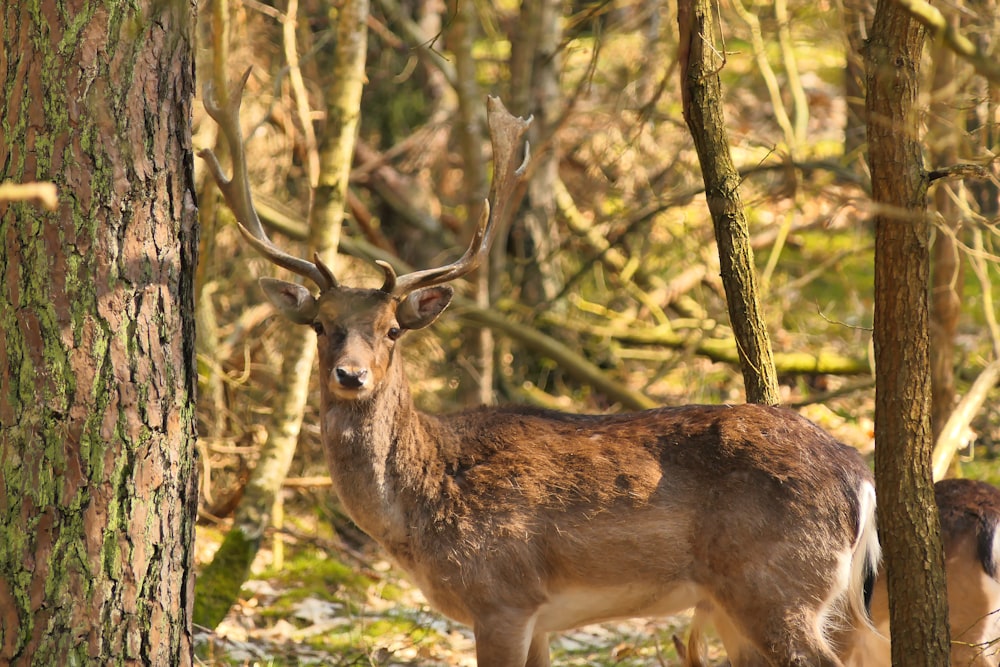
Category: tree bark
[701,90]
[97,469]
[908,522]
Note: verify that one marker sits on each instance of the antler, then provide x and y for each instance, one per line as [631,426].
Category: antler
[236,190]
[506,134]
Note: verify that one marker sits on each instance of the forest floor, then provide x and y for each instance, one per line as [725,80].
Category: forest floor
[316,610]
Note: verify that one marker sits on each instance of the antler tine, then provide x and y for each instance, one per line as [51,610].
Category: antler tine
[236,190]
[390,276]
[506,135]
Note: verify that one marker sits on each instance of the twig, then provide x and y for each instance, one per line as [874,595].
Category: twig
[45,193]
[960,170]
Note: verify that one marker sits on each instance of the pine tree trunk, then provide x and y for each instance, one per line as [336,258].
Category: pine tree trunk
[97,471]
[908,521]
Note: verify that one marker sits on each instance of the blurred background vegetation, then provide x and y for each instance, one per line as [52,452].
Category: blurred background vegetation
[603,293]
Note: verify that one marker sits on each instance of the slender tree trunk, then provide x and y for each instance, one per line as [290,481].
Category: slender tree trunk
[943,135]
[470,133]
[222,579]
[908,522]
[97,470]
[702,100]
[535,68]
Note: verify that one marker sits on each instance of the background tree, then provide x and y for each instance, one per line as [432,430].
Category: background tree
[97,468]
[222,579]
[908,523]
[702,96]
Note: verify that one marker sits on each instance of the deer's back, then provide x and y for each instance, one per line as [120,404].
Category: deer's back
[559,460]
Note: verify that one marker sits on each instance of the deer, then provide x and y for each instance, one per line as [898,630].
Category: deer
[522,522]
[970,533]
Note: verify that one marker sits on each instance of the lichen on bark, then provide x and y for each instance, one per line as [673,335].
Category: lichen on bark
[97,475]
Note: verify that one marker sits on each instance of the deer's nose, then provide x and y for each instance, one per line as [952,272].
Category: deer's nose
[351,378]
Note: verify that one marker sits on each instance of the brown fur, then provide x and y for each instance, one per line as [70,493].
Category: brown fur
[970,513]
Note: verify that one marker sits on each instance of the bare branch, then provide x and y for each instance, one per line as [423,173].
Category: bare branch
[932,19]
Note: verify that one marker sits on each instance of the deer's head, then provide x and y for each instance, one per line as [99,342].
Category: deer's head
[358,328]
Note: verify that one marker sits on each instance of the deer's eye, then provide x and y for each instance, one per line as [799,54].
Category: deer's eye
[394,333]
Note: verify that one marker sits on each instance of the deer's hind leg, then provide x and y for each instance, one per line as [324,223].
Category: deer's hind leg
[785,634]
[773,619]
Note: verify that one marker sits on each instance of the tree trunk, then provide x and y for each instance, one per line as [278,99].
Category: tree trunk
[220,583]
[702,100]
[97,470]
[535,67]
[470,132]
[943,137]
[908,522]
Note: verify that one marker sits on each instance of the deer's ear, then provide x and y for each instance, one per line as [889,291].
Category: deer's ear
[293,301]
[423,306]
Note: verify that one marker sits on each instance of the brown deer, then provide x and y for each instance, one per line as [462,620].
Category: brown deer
[970,521]
[521,522]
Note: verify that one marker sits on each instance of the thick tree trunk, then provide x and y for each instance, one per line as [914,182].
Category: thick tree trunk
[702,99]
[97,469]
[908,522]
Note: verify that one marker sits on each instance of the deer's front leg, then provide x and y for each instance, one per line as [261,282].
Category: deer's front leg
[507,640]
[538,652]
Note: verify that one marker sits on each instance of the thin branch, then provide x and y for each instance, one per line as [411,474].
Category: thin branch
[45,193]
[960,170]
[927,15]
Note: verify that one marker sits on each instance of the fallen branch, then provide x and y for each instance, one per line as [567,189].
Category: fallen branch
[951,438]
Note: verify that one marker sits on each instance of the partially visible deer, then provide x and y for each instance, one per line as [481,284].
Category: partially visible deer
[522,522]
[970,521]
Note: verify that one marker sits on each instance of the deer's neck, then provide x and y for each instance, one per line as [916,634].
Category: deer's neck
[373,449]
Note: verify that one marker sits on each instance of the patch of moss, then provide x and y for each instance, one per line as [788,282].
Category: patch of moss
[313,568]
[218,585]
